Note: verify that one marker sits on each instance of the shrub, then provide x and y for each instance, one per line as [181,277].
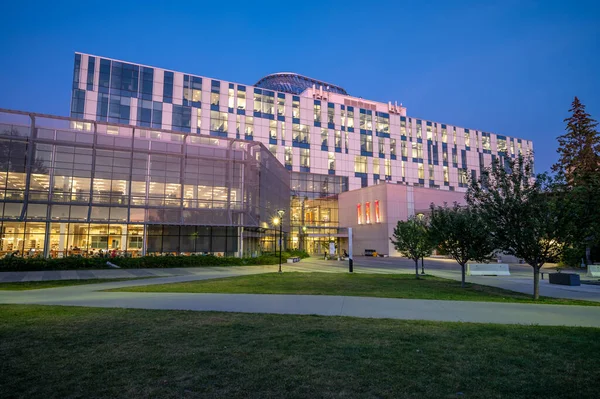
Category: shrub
[77,262]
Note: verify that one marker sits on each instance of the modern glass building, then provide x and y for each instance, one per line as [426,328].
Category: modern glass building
[76,187]
[331,141]
[158,161]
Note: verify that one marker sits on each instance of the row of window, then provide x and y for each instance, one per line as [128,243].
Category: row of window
[369,209]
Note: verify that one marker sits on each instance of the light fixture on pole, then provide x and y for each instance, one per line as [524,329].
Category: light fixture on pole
[280,212]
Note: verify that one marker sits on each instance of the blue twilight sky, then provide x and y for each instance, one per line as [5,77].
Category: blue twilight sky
[509,66]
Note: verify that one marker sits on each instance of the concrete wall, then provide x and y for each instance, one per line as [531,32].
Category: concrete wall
[396,202]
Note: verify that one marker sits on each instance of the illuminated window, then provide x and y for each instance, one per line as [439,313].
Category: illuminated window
[501,144]
[368,213]
[338,139]
[393,147]
[305,157]
[431,173]
[324,137]
[383,124]
[317,112]
[273,130]
[359,214]
[485,142]
[330,114]
[249,131]
[444,135]
[350,117]
[241,98]
[199,119]
[419,130]
[421,171]
[296,109]
[331,160]
[280,106]
[467,138]
[429,133]
[230,98]
[360,164]
[377,214]
[214,98]
[388,167]
[288,156]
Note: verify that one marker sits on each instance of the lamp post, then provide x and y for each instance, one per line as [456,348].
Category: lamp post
[276,221]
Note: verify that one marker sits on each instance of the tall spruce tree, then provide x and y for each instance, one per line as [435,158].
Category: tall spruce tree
[578,168]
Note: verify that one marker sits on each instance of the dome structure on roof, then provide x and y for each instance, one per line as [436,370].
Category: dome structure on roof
[293,83]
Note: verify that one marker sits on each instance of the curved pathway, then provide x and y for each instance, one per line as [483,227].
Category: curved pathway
[409,309]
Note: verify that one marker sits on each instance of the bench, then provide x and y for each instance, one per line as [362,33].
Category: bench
[564,278]
[487,269]
[293,260]
[593,271]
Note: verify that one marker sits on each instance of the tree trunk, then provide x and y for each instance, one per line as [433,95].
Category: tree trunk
[462,281]
[536,282]
[417,268]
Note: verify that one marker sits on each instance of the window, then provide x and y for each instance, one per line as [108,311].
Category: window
[238,124]
[454,135]
[429,133]
[305,157]
[462,176]
[296,108]
[403,127]
[366,120]
[282,130]
[388,167]
[358,214]
[182,118]
[445,174]
[417,150]
[330,113]
[331,160]
[351,117]
[218,121]
[393,147]
[444,135]
[343,116]
[467,138]
[366,143]
[168,87]
[360,164]
[199,119]
[382,146]
[281,106]
[421,171]
[501,143]
[445,154]
[376,170]
[317,112]
[368,212]
[377,213]
[431,173]
[300,133]
[273,130]
[288,156]
[419,130]
[231,98]
[404,149]
[273,149]
[512,146]
[249,131]
[241,98]
[324,137]
[215,92]
[383,124]
[346,140]
[338,139]
[485,142]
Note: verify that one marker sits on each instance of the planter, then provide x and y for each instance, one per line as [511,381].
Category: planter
[564,278]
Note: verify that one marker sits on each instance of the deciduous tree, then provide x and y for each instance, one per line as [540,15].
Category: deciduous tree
[411,239]
[520,211]
[462,233]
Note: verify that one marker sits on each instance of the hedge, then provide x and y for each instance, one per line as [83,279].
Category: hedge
[76,262]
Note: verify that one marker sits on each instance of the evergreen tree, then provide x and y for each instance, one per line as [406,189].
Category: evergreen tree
[578,168]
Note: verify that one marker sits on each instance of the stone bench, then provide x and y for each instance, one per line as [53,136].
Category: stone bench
[593,271]
[293,260]
[487,269]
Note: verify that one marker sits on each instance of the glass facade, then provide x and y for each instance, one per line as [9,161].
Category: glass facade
[310,126]
[73,187]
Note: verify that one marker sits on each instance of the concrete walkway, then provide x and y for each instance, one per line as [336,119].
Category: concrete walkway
[408,309]
[520,280]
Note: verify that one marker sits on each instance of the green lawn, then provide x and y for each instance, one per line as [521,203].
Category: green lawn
[36,285]
[57,352]
[372,285]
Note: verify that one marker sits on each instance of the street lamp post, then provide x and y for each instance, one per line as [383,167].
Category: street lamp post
[279,220]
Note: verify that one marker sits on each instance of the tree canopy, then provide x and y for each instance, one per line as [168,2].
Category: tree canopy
[411,239]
